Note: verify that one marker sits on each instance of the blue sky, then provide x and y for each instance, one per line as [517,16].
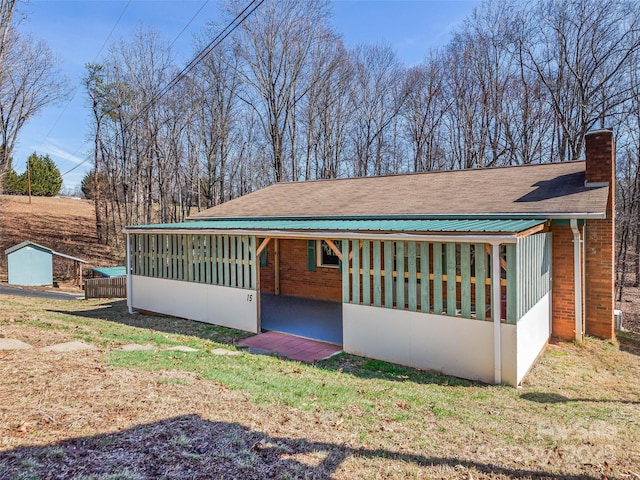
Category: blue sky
[76,30]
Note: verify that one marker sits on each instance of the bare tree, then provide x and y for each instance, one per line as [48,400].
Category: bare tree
[98,93]
[275,46]
[29,81]
[7,9]
[216,88]
[424,111]
[377,94]
[579,49]
[324,109]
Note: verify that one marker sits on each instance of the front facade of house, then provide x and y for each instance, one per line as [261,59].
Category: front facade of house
[468,273]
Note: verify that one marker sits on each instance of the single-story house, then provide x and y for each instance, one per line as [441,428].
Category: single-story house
[30,264]
[467,272]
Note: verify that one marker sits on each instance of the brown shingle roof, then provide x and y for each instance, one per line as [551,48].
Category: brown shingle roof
[555,190]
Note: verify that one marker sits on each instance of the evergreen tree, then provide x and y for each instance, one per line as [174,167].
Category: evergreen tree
[14,184]
[46,180]
[88,188]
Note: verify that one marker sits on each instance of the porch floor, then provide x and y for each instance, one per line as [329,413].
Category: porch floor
[290,346]
[305,317]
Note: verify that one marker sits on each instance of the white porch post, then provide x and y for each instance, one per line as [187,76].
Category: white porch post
[129,276]
[577,281]
[496,312]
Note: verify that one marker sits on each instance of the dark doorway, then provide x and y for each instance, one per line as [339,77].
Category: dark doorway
[305,317]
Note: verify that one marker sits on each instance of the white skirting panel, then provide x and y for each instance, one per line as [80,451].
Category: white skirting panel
[225,306]
[451,345]
[533,334]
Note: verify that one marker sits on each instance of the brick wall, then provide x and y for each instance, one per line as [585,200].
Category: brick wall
[599,262]
[324,283]
[562,293]
[599,239]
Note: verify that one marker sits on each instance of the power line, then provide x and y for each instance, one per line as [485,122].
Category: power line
[75,91]
[195,15]
[77,164]
[111,32]
[189,23]
[104,44]
[235,23]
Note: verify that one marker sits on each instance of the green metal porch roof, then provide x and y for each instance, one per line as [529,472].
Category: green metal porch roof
[476,226]
[111,272]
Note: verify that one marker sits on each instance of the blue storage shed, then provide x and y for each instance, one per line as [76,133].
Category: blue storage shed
[30,264]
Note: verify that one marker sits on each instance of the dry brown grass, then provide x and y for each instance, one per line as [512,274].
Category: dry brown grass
[75,416]
[66,225]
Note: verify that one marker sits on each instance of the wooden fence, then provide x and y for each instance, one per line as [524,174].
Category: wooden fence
[105,287]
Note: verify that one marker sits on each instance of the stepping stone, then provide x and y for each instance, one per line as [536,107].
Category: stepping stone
[182,348]
[134,347]
[13,344]
[262,351]
[224,351]
[69,347]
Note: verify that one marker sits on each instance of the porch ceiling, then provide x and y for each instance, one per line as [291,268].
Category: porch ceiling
[413,226]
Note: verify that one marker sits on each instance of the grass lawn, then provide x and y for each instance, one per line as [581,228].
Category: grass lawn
[113,414]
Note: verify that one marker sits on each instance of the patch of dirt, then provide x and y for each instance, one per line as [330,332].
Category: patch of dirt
[66,225]
[36,337]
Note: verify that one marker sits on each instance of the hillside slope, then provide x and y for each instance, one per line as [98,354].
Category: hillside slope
[65,225]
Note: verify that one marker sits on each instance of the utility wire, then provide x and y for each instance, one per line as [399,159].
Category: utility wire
[195,15]
[77,164]
[189,23]
[235,23]
[75,90]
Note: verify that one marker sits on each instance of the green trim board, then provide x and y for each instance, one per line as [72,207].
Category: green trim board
[388,279]
[355,278]
[377,277]
[437,278]
[425,303]
[564,222]
[480,286]
[400,269]
[412,268]
[488,226]
[346,290]
[366,269]
[452,300]
[465,280]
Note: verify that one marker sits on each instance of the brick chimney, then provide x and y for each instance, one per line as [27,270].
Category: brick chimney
[600,156]
[599,237]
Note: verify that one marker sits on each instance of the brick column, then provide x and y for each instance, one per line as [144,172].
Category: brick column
[562,296]
[600,238]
